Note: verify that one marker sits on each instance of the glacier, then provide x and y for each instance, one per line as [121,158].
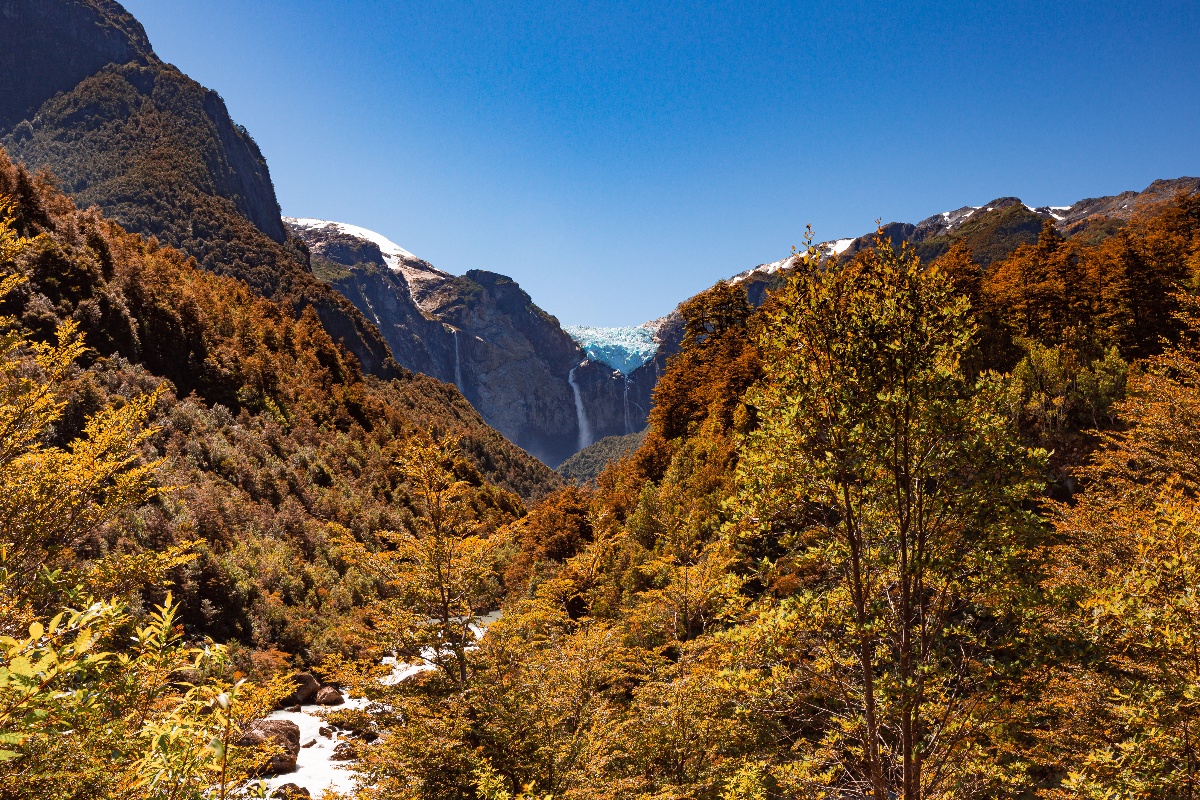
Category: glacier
[624,349]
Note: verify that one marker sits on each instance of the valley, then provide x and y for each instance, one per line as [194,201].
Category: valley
[288,511]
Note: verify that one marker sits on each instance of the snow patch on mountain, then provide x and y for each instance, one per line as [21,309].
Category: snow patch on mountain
[838,247]
[624,349]
[393,253]
[825,249]
[764,269]
[423,278]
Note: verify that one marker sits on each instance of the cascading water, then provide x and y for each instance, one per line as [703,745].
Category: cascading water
[628,422]
[585,430]
[458,381]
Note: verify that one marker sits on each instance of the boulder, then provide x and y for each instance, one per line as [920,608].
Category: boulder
[290,791]
[306,688]
[329,696]
[326,732]
[276,732]
[344,752]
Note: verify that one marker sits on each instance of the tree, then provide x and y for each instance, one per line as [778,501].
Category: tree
[1126,714]
[442,571]
[91,699]
[900,486]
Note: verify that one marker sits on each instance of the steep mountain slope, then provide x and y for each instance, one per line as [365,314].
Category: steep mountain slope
[524,374]
[281,450]
[48,47]
[90,101]
[586,465]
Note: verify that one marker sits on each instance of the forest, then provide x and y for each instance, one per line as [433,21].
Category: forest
[921,525]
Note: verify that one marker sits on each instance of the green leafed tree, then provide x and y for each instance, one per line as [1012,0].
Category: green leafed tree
[901,494]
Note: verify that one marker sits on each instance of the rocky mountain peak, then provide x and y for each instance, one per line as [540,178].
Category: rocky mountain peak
[482,332]
[48,46]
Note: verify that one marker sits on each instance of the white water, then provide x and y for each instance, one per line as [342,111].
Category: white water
[458,381]
[315,768]
[585,430]
[628,422]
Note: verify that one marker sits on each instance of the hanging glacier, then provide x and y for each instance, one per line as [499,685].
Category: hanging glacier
[623,349]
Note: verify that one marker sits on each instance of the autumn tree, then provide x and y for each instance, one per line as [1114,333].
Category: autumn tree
[900,486]
[1124,717]
[442,570]
[91,699]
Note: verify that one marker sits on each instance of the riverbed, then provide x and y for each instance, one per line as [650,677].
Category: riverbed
[315,768]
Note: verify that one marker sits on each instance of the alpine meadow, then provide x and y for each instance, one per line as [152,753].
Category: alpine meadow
[287,511]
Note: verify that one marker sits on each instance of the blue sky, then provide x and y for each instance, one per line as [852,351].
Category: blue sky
[615,158]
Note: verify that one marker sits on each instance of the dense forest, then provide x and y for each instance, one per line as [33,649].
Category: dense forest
[924,524]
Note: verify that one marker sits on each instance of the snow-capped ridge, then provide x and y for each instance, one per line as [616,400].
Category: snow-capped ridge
[418,272]
[831,248]
[391,251]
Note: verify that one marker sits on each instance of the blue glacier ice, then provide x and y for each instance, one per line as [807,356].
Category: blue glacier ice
[623,349]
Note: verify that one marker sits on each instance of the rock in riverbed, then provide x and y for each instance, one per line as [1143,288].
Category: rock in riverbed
[329,696]
[278,732]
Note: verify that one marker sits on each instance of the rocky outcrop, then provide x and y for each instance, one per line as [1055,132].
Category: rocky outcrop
[307,687]
[48,47]
[278,733]
[83,94]
[328,696]
[483,333]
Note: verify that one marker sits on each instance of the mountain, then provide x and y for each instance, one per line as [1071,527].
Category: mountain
[83,95]
[276,442]
[588,463]
[525,375]
[992,231]
[49,47]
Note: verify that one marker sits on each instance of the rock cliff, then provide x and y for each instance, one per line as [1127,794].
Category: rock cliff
[83,94]
[483,333]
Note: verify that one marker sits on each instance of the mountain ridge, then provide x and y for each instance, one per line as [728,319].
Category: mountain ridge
[120,129]
[482,332]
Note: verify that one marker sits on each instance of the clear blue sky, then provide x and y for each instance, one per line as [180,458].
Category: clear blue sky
[615,158]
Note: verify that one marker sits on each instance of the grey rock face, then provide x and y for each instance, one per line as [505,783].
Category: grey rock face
[483,333]
[48,46]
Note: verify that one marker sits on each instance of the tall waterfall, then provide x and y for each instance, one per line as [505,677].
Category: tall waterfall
[458,381]
[585,430]
[628,422]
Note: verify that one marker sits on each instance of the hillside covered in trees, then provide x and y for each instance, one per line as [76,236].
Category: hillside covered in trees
[270,444]
[908,529]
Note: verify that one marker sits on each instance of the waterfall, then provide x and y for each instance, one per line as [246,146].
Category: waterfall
[458,381]
[585,430]
[628,423]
